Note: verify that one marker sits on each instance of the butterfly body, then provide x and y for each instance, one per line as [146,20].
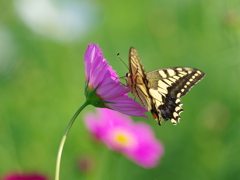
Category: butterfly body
[159,91]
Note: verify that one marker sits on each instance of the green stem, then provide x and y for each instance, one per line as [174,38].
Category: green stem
[64,138]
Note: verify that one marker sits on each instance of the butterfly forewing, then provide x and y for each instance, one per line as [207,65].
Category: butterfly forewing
[137,80]
[160,91]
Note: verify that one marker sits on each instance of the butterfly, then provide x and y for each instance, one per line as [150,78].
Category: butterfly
[159,91]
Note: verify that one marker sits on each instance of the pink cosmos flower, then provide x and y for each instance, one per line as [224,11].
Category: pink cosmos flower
[103,87]
[23,176]
[135,140]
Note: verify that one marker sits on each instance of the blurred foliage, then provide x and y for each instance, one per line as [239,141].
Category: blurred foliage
[42,86]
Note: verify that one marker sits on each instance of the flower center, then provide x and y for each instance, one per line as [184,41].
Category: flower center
[123,139]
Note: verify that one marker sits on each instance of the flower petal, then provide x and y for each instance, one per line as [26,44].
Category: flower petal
[127,106]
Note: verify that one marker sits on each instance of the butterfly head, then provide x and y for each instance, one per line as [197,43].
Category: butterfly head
[128,75]
[128,80]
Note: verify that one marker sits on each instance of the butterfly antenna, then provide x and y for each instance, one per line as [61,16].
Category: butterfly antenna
[118,55]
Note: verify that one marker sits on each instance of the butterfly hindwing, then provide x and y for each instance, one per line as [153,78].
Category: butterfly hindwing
[169,85]
[160,91]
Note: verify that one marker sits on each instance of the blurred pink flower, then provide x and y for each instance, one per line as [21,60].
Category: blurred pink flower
[135,140]
[86,163]
[23,176]
[103,88]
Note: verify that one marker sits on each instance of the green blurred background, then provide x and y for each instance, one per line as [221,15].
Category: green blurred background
[42,84]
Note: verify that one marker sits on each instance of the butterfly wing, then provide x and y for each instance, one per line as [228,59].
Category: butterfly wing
[137,80]
[168,85]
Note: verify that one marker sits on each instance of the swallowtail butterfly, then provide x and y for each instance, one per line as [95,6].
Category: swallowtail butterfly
[160,91]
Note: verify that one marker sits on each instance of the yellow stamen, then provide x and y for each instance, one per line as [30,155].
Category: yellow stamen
[122,139]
